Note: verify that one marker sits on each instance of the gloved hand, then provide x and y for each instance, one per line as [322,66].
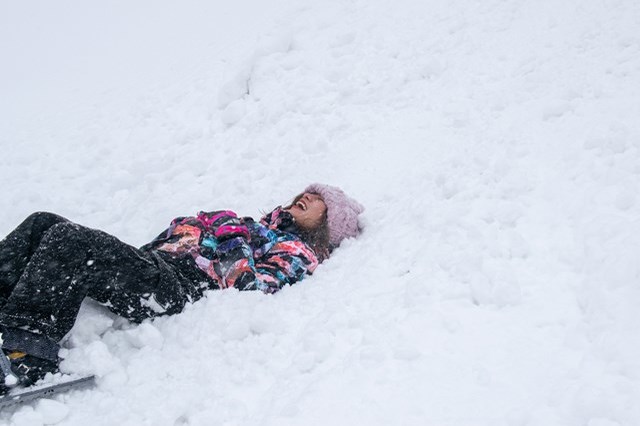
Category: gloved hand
[224,224]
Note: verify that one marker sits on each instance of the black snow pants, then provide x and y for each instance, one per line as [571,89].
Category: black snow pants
[48,265]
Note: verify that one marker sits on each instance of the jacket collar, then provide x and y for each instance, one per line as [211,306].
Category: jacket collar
[280,219]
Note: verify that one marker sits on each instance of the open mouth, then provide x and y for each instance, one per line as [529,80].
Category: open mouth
[301,205]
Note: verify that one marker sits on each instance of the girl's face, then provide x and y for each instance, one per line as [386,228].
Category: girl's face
[308,210]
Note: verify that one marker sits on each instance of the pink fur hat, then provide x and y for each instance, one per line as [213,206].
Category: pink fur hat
[342,212]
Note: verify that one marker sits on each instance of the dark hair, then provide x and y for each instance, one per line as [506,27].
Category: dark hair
[317,238]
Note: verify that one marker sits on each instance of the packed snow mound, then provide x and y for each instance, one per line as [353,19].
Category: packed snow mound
[495,146]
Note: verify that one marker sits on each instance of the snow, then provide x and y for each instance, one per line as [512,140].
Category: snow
[495,145]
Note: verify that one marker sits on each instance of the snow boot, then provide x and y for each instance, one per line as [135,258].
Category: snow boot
[24,369]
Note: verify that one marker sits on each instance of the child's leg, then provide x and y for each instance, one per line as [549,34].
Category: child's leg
[18,247]
[72,262]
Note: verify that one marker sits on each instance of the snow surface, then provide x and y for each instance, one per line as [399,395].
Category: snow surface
[495,144]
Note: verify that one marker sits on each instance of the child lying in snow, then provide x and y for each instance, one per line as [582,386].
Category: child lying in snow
[48,265]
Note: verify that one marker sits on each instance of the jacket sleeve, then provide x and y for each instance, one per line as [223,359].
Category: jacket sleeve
[285,263]
[220,223]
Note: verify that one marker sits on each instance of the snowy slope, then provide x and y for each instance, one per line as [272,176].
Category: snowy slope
[495,145]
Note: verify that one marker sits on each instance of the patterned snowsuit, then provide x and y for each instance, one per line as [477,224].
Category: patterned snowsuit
[48,265]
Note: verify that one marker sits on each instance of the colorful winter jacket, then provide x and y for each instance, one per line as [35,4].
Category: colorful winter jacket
[239,252]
